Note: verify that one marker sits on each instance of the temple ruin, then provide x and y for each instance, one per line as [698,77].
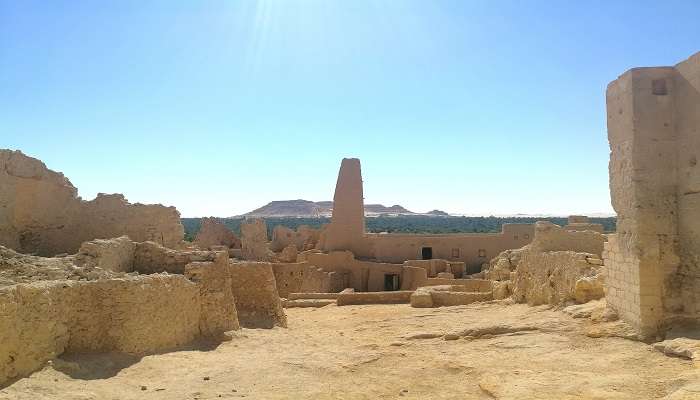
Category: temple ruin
[652,262]
[347,232]
[109,277]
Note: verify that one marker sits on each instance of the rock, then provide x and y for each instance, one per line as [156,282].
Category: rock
[680,347]
[584,310]
[612,329]
[589,288]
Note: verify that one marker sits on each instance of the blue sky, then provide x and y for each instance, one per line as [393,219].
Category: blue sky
[473,107]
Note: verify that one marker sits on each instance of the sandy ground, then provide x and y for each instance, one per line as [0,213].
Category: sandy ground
[385,352]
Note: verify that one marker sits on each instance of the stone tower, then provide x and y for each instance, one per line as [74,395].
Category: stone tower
[653,262]
[347,227]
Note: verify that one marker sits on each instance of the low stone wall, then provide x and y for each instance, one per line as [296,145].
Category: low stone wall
[435,266]
[307,303]
[150,257]
[551,237]
[309,296]
[397,297]
[255,290]
[450,295]
[135,315]
[300,278]
[471,285]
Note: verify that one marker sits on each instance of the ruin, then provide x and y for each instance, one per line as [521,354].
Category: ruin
[653,272]
[105,278]
[215,234]
[347,232]
[42,213]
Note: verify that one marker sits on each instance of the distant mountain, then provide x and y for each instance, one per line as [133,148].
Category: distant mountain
[438,213]
[306,208]
[292,208]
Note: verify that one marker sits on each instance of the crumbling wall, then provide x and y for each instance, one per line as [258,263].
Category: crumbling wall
[137,315]
[257,300]
[254,244]
[108,254]
[551,237]
[503,266]
[355,298]
[435,266]
[22,268]
[554,269]
[301,278]
[551,277]
[217,312]
[42,213]
[450,295]
[213,233]
[304,238]
[653,262]
[150,257]
[581,223]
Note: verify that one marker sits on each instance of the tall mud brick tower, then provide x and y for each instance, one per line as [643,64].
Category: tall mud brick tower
[653,262]
[347,228]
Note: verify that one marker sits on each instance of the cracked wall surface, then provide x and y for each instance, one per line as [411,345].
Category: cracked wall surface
[654,134]
[41,213]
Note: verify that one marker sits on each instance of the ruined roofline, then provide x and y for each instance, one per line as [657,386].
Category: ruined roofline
[693,58]
[60,177]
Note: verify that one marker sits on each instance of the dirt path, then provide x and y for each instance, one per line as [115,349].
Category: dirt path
[384,352]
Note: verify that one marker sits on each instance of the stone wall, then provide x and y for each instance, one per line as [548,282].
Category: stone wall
[42,213]
[352,298]
[559,267]
[551,237]
[255,290]
[212,233]
[552,277]
[304,238]
[254,244]
[653,262]
[217,312]
[364,276]
[150,257]
[450,295]
[133,315]
[301,278]
[581,223]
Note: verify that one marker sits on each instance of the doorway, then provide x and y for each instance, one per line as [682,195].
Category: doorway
[391,282]
[426,253]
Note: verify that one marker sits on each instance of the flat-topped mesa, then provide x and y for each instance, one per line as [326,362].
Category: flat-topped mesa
[42,213]
[652,267]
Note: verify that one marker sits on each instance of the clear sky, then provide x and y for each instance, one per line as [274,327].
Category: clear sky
[473,107]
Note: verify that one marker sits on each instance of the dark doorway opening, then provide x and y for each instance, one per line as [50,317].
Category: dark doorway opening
[427,253]
[391,282]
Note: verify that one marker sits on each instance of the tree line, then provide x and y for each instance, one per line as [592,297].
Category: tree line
[418,224]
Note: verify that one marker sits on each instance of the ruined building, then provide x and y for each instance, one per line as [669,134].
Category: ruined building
[347,232]
[40,212]
[653,262]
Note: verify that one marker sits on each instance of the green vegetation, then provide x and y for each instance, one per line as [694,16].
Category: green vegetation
[401,224]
